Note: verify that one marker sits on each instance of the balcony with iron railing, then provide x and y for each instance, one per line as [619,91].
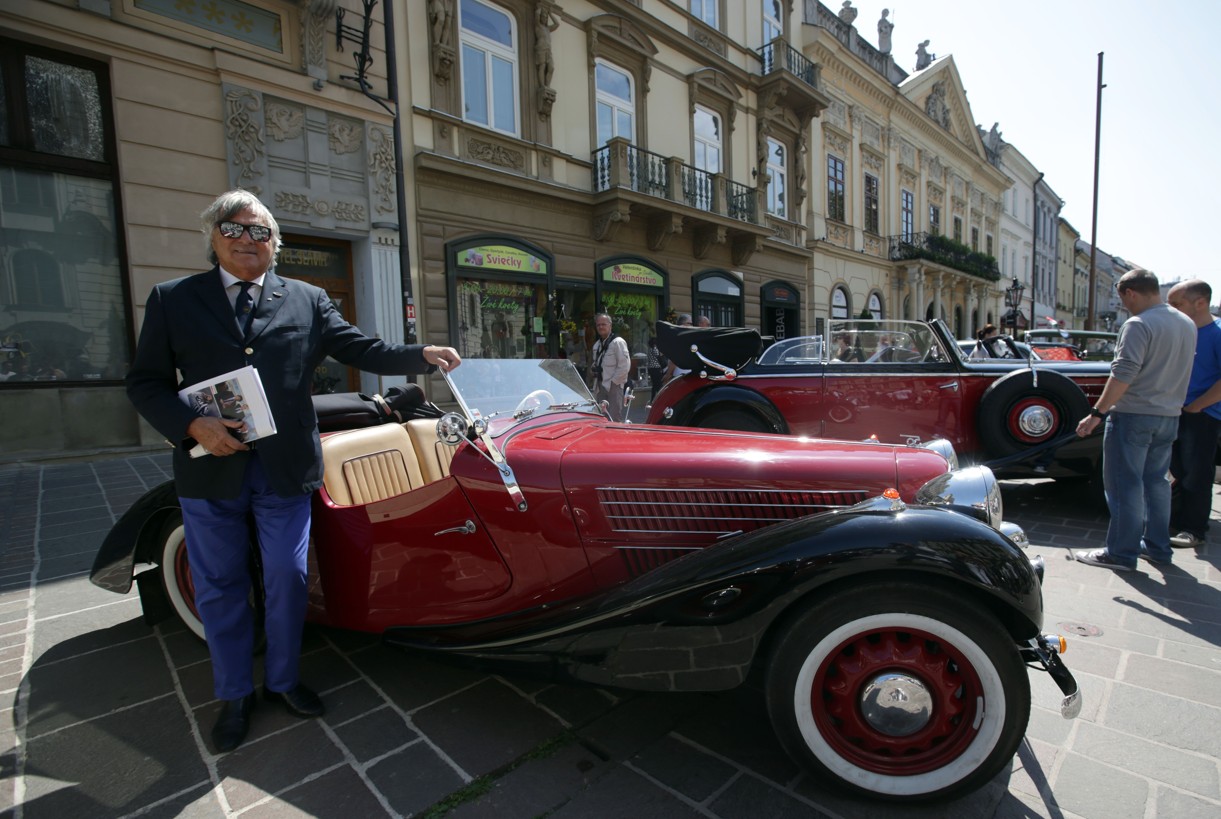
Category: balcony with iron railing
[671,195]
[944,251]
[791,78]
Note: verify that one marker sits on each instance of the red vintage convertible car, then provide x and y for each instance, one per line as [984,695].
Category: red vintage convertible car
[902,381]
[891,611]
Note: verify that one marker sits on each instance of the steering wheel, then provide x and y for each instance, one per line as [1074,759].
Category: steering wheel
[536,399]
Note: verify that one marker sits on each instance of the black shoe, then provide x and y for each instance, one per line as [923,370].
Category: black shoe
[232,723]
[299,700]
[1100,557]
[1144,555]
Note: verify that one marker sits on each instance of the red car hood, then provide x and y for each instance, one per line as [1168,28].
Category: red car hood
[639,481]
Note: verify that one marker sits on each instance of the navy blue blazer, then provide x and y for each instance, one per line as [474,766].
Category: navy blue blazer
[190,329]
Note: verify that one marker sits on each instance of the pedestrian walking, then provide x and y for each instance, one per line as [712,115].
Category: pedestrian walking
[1141,403]
[1193,459]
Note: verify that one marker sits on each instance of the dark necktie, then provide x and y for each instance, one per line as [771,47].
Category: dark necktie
[244,306]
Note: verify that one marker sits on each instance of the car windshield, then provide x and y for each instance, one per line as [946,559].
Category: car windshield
[859,341]
[515,389]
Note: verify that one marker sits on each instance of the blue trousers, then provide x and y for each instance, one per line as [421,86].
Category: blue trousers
[218,547]
[1193,466]
[1135,463]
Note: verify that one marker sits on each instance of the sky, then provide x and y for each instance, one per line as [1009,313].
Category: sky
[1032,67]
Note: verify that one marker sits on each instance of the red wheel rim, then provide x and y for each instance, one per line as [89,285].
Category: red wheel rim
[1015,416]
[182,577]
[950,680]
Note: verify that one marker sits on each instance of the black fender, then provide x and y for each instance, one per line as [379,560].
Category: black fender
[124,544]
[688,410]
[698,623]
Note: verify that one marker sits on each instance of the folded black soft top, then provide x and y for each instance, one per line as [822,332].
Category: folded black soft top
[732,346]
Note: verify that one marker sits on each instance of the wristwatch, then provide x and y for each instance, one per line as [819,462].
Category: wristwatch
[1094,412]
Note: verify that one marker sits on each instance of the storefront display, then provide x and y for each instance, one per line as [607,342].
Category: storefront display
[499,304]
[631,290]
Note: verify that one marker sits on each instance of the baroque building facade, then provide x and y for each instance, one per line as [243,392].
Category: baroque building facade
[907,215]
[642,159]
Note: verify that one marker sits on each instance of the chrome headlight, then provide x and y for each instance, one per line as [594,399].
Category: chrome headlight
[972,491]
[943,448]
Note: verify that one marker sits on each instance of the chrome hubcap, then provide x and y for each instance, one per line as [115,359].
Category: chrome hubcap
[1035,421]
[897,705]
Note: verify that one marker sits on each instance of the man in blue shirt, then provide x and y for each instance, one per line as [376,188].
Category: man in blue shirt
[1193,464]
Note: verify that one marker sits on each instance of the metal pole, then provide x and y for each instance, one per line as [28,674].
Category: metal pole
[392,91]
[1089,318]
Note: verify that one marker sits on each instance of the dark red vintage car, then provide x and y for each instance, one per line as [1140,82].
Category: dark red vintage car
[901,381]
[891,611]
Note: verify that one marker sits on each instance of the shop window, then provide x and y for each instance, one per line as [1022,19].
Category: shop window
[718,296]
[499,301]
[63,302]
[488,37]
[615,106]
[631,290]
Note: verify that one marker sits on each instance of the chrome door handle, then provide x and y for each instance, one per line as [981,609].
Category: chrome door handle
[953,385]
[467,528]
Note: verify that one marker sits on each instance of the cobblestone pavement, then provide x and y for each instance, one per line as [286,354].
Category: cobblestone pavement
[108,716]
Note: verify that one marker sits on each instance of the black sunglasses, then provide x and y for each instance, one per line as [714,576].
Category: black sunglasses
[233,230]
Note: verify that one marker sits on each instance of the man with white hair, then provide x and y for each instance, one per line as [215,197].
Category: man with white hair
[611,368]
[239,313]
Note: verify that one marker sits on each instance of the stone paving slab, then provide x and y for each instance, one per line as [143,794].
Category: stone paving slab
[102,716]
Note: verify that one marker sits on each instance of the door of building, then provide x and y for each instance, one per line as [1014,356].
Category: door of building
[325,263]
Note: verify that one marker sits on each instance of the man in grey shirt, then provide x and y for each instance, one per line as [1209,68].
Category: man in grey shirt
[1141,403]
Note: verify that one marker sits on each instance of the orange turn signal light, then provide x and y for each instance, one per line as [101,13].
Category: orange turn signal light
[891,493]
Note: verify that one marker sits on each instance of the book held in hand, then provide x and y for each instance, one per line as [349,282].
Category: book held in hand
[237,395]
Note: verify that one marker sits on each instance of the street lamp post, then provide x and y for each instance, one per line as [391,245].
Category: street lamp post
[1013,300]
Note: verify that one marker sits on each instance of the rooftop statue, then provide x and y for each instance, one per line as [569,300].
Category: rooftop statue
[884,29]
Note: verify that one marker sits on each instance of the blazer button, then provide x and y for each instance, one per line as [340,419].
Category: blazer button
[249,351]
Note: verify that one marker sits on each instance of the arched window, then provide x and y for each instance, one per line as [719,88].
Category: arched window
[875,306]
[718,295]
[488,37]
[841,305]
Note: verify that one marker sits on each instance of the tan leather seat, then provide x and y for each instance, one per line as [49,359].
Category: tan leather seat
[369,465]
[435,457]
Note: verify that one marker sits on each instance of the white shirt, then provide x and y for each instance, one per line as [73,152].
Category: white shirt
[232,288]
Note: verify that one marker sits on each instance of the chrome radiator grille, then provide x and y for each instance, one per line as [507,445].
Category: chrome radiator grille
[713,511]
